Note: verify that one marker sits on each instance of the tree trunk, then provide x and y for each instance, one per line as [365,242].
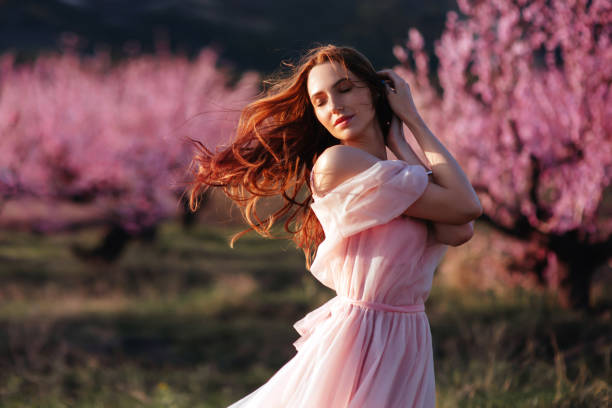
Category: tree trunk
[109,249]
[583,259]
[579,257]
[575,289]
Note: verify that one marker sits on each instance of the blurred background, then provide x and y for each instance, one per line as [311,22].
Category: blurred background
[113,293]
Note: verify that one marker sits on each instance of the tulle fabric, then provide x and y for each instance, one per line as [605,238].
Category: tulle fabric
[370,345]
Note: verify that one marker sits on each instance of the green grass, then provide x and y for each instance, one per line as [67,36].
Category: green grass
[186,321]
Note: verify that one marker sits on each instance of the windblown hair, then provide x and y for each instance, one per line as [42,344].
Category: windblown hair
[277,142]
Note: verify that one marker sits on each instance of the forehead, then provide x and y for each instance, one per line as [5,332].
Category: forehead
[324,76]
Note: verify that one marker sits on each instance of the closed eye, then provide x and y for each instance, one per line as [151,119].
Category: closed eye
[345,86]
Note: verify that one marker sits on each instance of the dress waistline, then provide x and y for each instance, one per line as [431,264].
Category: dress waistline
[308,324]
[418,307]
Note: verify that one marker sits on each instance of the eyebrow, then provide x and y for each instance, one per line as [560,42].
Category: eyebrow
[333,86]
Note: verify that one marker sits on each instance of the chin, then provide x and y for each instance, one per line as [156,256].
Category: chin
[349,134]
[344,136]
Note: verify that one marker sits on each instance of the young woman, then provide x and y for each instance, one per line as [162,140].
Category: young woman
[372,229]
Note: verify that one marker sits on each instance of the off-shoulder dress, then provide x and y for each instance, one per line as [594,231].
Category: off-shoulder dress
[370,345]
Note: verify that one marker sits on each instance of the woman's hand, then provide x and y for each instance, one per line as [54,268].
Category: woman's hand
[399,96]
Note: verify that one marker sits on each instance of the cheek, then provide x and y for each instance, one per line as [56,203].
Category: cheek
[365,100]
[323,117]
[367,108]
[320,117]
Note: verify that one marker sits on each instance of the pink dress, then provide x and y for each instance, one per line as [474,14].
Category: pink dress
[369,346]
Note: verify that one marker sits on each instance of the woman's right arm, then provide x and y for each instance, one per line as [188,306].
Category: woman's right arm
[448,234]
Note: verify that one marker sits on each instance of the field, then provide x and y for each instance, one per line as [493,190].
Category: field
[186,321]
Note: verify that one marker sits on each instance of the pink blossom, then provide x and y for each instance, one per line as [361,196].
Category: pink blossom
[81,129]
[534,138]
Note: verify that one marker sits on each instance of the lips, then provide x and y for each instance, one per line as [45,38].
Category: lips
[342,119]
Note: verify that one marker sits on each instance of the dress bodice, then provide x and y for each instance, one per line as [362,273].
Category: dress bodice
[371,251]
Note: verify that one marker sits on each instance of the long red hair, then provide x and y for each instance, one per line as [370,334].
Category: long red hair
[277,142]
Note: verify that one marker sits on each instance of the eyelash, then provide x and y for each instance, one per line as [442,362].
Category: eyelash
[340,90]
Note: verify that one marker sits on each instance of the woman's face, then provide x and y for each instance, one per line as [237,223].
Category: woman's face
[342,105]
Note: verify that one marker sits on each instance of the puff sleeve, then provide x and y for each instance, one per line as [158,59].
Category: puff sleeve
[373,197]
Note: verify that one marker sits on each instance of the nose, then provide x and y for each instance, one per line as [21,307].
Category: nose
[335,104]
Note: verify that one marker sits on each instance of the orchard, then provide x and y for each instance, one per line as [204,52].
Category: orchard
[521,98]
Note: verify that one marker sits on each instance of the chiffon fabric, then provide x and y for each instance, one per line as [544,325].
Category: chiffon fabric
[370,345]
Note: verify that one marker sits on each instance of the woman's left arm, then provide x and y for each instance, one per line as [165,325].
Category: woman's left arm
[446,171]
[453,235]
[448,234]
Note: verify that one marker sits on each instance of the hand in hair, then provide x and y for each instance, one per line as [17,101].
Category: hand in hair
[399,96]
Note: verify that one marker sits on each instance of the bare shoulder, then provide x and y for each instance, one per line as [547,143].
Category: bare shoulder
[339,163]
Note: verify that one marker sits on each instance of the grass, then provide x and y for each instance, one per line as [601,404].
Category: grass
[186,321]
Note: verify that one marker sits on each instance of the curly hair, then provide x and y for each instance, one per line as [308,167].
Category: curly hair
[277,141]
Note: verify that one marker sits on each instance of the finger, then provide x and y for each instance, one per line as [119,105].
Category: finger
[390,87]
[385,74]
[386,80]
[388,73]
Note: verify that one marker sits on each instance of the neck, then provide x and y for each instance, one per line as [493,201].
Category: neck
[372,141]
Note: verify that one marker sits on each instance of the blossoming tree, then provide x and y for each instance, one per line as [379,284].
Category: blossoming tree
[524,102]
[114,136]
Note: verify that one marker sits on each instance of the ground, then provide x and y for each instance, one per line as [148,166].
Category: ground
[186,321]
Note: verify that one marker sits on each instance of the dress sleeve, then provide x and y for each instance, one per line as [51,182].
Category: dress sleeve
[373,197]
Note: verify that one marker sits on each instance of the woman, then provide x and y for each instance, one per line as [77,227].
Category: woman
[376,228]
